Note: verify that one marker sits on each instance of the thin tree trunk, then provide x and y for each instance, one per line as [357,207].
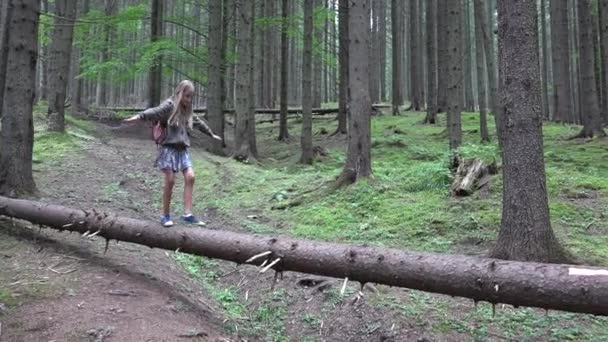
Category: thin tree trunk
[415,53]
[243,81]
[251,136]
[590,105]
[306,138]
[562,104]
[215,72]
[545,60]
[343,60]
[442,56]
[397,54]
[44,61]
[488,47]
[382,47]
[481,79]
[5,17]
[60,53]
[283,132]
[431,51]
[454,42]
[469,99]
[358,159]
[317,62]
[525,232]
[155,74]
[603,13]
[17,137]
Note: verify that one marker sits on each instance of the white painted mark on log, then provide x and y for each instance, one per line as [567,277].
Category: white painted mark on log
[587,272]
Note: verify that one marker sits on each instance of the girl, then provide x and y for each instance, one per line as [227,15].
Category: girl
[176,117]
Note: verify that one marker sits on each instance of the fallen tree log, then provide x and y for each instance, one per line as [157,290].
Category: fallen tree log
[548,286]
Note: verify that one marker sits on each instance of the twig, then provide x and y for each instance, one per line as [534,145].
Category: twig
[589,224]
[97,232]
[343,286]
[270,265]
[257,256]
[62,272]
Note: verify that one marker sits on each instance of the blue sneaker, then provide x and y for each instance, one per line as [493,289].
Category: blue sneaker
[166,221]
[191,219]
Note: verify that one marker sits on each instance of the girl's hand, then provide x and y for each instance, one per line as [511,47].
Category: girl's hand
[216,137]
[131,119]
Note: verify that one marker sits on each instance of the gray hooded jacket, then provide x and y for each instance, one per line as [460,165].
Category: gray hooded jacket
[177,136]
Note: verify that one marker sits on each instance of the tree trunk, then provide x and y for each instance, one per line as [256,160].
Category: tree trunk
[243,81]
[268,50]
[306,138]
[592,124]
[454,45]
[481,79]
[382,47]
[416,54]
[603,12]
[562,105]
[251,136]
[317,62]
[77,89]
[215,83]
[283,132]
[443,56]
[343,60]
[374,58]
[545,60]
[358,159]
[556,287]
[44,61]
[155,74]
[481,17]
[469,99]
[397,54]
[17,137]
[60,53]
[525,232]
[431,51]
[307,61]
[5,17]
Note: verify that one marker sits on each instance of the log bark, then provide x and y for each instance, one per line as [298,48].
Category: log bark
[548,286]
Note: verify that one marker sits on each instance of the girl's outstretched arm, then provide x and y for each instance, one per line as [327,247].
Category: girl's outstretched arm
[153,114]
[202,126]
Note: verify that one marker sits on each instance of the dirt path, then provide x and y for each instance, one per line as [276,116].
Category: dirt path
[61,287]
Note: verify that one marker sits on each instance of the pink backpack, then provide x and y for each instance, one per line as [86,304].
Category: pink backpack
[158,133]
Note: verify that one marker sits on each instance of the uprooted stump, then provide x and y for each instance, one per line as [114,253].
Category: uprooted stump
[471,175]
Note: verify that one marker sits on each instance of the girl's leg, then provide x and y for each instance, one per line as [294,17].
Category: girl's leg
[188,188]
[168,191]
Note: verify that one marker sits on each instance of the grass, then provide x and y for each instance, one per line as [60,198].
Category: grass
[407,205]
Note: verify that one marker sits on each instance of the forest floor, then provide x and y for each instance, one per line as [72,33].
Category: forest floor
[62,287]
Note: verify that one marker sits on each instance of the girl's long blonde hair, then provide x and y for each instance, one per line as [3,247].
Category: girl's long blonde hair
[179,116]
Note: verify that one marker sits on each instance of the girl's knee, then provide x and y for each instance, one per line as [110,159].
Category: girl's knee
[189,177]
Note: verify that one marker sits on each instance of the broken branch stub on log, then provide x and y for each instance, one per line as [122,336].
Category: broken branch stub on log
[548,286]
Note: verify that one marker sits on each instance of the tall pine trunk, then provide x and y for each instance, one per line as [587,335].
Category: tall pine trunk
[525,232]
[396,20]
[545,60]
[589,100]
[343,59]
[562,104]
[307,61]
[17,137]
[481,77]
[603,13]
[215,111]
[155,74]
[431,51]
[454,45]
[283,131]
[59,66]
[358,159]
[5,16]
[243,81]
